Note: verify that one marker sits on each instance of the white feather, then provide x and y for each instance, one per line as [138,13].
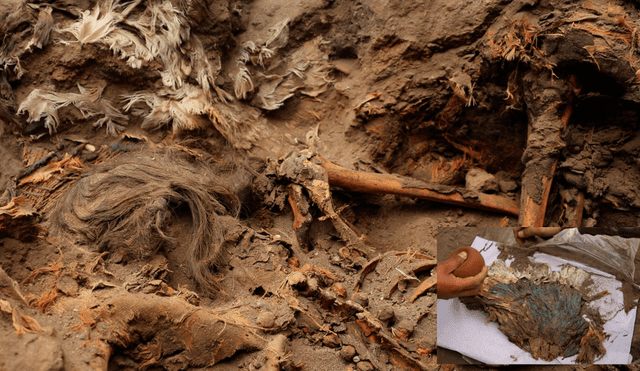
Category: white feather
[91,27]
[273,90]
[279,35]
[45,104]
[243,83]
[160,32]
[180,108]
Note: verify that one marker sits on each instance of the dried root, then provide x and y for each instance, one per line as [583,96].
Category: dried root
[17,218]
[17,208]
[520,43]
[10,288]
[20,322]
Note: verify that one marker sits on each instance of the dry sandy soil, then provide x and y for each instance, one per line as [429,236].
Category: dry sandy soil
[162,199]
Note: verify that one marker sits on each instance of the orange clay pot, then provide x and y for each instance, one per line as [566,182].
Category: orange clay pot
[472,266]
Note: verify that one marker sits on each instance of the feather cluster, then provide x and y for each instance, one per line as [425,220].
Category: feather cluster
[44,104]
[568,275]
[142,31]
[312,67]
[258,54]
[542,311]
[189,108]
[15,39]
[160,32]
[306,70]
[156,30]
[181,108]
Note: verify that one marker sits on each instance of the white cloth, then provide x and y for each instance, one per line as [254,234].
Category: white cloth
[465,331]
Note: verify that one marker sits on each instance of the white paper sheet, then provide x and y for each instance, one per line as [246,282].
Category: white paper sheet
[465,331]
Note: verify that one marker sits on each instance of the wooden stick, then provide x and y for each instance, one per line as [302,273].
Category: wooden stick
[579,210]
[529,232]
[424,286]
[359,181]
[532,213]
[420,267]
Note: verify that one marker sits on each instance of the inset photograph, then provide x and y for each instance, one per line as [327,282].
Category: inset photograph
[537,295]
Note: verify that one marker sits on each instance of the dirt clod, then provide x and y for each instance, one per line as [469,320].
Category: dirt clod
[480,180]
[365,366]
[385,314]
[331,340]
[46,353]
[347,352]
